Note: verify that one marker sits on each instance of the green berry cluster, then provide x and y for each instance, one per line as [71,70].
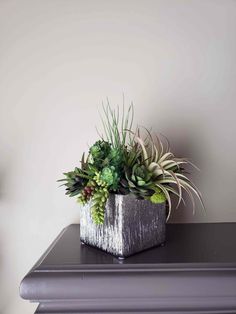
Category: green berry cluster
[86,194]
[97,191]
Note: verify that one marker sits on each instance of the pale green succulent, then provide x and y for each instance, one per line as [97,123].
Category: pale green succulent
[158,197]
[110,176]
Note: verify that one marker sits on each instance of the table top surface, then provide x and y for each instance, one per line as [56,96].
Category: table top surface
[210,245]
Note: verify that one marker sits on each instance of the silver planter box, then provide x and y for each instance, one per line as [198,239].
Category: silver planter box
[130,226]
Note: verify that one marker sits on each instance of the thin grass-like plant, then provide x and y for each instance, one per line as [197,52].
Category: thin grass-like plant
[116,128]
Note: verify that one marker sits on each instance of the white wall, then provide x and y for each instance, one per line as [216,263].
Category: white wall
[59,59]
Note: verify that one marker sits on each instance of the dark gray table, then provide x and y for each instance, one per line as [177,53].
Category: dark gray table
[195,272]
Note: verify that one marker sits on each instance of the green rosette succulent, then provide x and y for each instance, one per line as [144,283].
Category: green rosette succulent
[110,176]
[138,181]
[99,152]
[116,158]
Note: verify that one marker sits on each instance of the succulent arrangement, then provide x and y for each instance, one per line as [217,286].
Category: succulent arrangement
[127,161]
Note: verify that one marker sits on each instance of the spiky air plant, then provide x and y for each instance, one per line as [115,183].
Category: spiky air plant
[122,162]
[75,181]
[167,171]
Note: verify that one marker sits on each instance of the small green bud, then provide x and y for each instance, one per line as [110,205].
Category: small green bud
[158,198]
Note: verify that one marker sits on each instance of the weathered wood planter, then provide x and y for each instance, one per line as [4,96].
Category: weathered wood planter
[130,226]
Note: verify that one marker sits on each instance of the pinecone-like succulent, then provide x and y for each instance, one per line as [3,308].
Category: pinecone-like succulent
[99,152]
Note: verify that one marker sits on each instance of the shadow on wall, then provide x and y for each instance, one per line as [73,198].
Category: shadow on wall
[1,184]
[5,177]
[2,290]
[1,237]
[183,136]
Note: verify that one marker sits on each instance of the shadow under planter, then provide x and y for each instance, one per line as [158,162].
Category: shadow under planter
[131,225]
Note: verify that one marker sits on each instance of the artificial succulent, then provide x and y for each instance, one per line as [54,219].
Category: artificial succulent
[126,162]
[74,181]
[99,152]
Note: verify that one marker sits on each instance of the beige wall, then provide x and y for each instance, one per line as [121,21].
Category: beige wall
[59,59]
